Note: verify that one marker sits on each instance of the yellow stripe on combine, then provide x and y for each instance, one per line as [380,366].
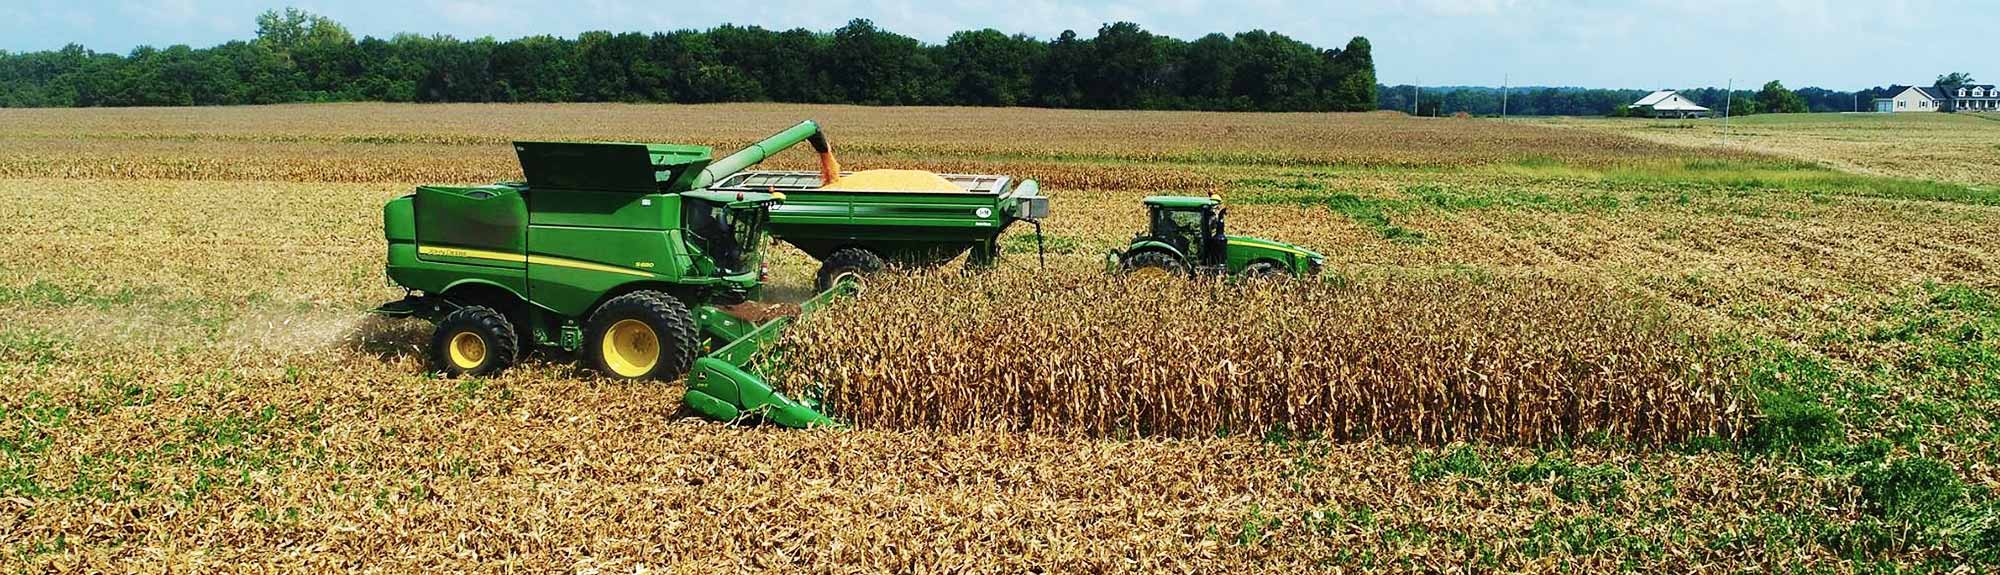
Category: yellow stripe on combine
[472,254]
[523,258]
[559,262]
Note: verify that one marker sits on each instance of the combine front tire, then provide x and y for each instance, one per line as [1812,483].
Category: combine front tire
[847,263]
[473,340]
[1154,264]
[641,335]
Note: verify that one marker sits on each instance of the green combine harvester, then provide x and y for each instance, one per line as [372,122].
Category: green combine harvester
[635,256]
[1187,237]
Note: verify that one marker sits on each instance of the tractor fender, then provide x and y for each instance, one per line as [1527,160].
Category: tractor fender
[1287,263]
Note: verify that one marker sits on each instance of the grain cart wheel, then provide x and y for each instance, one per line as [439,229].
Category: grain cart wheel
[847,263]
[1265,270]
[1154,264]
[641,335]
[473,340]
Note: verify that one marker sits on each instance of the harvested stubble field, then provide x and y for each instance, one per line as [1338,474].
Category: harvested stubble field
[190,383]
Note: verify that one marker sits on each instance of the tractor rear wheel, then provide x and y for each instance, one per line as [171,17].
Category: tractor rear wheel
[473,340]
[641,335]
[847,263]
[1154,264]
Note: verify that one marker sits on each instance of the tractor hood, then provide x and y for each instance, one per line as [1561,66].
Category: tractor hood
[1245,242]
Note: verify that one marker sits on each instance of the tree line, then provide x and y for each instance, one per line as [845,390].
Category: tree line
[301,57]
[1773,97]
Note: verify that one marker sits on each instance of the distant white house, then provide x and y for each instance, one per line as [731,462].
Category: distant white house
[1971,97]
[1667,104]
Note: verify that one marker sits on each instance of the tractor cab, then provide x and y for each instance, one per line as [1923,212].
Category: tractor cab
[1192,226]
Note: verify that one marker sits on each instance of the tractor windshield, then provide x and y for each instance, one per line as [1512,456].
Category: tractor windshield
[727,236]
[1180,227]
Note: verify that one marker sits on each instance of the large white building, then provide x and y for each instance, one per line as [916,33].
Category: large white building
[1668,104]
[1969,98]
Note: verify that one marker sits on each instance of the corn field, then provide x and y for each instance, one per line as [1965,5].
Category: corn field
[1516,361]
[189,381]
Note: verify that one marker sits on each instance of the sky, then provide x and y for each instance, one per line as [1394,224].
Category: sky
[1637,44]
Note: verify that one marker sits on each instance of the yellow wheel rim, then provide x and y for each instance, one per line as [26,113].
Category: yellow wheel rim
[630,348]
[467,350]
[1150,272]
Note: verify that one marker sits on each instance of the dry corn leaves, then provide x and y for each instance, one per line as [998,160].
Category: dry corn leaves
[1435,361]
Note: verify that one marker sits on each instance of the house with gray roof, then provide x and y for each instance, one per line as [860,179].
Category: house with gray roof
[1967,98]
[1667,104]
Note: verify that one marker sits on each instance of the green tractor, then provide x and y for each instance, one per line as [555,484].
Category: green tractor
[1187,237]
[619,253]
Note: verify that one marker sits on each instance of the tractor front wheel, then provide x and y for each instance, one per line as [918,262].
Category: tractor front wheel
[1265,270]
[641,335]
[1154,264]
[845,264]
[473,340]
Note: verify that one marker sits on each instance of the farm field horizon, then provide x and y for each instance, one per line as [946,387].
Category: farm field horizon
[1790,340]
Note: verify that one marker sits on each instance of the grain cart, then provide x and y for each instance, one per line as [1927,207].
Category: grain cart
[622,253]
[863,221]
[1187,237]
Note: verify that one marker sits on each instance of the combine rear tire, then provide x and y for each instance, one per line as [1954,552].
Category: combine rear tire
[1146,264]
[641,335]
[473,340]
[847,263]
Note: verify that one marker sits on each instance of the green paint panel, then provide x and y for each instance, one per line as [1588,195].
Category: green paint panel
[406,269]
[910,227]
[610,167]
[487,218]
[603,209]
[559,267]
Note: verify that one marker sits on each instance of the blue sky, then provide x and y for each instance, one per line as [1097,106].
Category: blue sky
[1842,44]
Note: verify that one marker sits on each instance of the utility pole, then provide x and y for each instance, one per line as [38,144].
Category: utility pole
[1503,95]
[1728,97]
[1416,94]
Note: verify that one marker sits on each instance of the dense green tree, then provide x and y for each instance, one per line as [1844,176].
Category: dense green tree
[299,56]
[988,67]
[1775,99]
[1126,67]
[1742,105]
[872,66]
[1057,82]
[1276,73]
[1354,77]
[535,69]
[1208,74]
